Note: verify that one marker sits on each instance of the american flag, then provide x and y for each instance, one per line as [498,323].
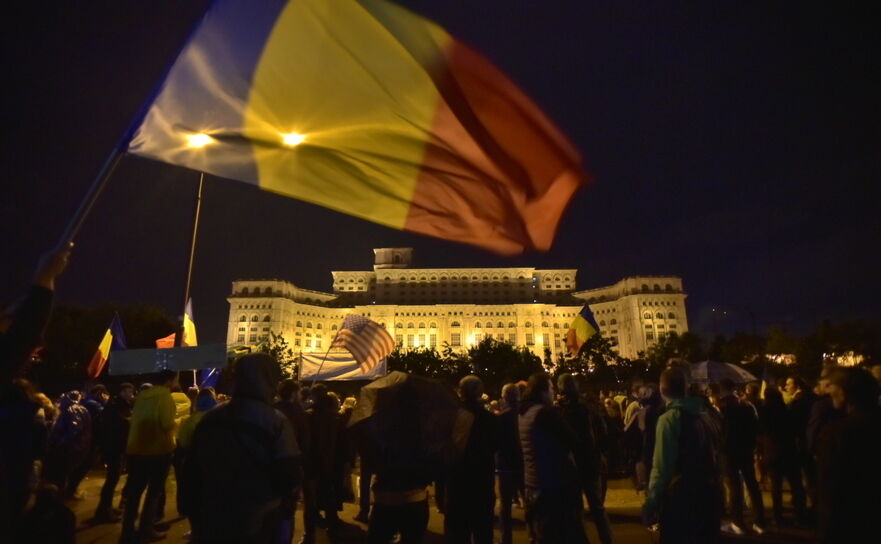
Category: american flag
[366,340]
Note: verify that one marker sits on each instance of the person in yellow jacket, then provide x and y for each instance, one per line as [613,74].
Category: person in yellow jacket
[149,449]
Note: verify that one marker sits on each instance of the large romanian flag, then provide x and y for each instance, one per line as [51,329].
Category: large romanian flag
[583,327]
[113,340]
[366,108]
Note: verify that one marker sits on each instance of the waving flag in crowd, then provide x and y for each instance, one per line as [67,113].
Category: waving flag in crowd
[189,331]
[114,339]
[583,327]
[367,109]
[366,340]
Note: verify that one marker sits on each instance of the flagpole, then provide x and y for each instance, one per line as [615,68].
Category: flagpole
[179,337]
[91,196]
[330,347]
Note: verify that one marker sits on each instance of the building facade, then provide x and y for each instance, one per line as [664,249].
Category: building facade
[430,307]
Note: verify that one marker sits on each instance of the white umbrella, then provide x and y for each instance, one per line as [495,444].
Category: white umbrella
[715,371]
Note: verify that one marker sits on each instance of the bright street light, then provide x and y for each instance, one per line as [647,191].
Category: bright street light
[198,140]
[293,139]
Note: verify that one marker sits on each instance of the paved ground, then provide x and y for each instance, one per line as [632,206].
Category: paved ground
[622,503]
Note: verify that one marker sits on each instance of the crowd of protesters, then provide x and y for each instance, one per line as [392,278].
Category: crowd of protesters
[245,463]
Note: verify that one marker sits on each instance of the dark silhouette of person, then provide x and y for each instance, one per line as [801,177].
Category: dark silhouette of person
[21,331]
[553,493]
[245,464]
[470,496]
[586,451]
[849,474]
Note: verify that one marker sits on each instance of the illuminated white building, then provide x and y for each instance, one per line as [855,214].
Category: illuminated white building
[428,307]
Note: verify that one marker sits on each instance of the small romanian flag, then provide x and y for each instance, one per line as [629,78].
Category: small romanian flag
[583,327]
[366,108]
[189,331]
[113,340]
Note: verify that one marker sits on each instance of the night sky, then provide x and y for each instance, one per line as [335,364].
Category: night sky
[733,144]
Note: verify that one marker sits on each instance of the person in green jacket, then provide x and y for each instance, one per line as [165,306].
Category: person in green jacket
[684,493]
[149,450]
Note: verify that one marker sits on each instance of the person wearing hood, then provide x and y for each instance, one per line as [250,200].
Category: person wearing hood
[70,441]
[247,449]
[149,450]
[684,492]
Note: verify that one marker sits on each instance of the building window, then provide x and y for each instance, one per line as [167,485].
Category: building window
[432,340]
[477,325]
[613,322]
[648,327]
[253,329]
[255,318]
[266,318]
[512,338]
[299,323]
[432,325]
[411,326]
[671,315]
[265,329]
[308,324]
[241,338]
[399,340]
[659,315]
[530,339]
[649,336]
[489,324]
[296,341]
[528,324]
[422,325]
[243,318]
[241,329]
[308,342]
[318,326]
[410,339]
[647,315]
[546,339]
[456,339]
[478,338]
[673,326]
[253,338]
[318,342]
[399,326]
[602,323]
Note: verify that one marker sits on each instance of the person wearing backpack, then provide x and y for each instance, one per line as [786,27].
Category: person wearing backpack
[243,468]
[70,441]
[684,493]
